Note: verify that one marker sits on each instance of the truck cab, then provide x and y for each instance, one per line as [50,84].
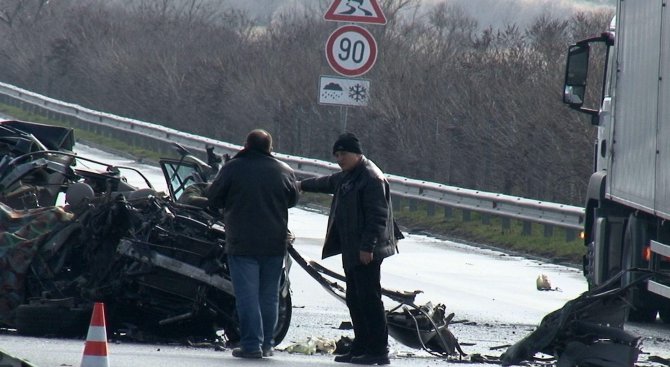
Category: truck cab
[626,230]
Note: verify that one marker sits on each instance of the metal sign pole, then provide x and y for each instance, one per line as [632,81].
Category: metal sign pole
[343,116]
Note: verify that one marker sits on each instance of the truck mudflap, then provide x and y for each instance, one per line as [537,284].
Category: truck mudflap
[659,249]
[588,330]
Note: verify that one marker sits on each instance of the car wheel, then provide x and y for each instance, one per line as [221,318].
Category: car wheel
[284,319]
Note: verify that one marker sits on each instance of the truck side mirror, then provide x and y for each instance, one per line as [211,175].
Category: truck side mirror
[576,74]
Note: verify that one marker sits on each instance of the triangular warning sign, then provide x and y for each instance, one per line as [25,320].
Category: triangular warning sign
[359,11]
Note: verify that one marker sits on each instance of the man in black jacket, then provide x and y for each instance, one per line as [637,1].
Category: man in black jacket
[361,228]
[255,190]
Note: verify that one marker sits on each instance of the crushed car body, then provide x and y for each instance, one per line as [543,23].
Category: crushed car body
[158,264]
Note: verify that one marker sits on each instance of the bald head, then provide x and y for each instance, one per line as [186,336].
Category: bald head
[260,140]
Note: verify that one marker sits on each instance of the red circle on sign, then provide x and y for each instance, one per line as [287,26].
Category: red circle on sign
[351,39]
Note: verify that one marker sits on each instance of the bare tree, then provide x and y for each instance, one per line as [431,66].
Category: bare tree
[451,101]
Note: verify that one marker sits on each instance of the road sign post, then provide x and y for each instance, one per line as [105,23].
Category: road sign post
[351,51]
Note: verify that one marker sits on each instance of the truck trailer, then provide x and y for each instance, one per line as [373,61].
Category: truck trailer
[627,223]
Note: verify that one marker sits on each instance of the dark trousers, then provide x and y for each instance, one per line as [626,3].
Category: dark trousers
[364,300]
[256,282]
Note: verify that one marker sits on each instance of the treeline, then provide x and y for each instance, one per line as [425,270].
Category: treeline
[450,102]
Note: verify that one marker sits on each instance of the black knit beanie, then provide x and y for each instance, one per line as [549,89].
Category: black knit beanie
[347,142]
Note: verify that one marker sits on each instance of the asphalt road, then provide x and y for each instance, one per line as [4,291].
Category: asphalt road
[493,296]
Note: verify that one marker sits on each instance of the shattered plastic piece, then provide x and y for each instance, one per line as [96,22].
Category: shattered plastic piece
[312,345]
[302,348]
[326,346]
[425,327]
[543,283]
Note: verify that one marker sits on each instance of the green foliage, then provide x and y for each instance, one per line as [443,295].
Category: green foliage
[489,231]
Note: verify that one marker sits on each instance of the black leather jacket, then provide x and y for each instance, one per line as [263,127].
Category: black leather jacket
[255,191]
[361,215]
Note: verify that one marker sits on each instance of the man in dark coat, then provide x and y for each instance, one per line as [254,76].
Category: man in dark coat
[361,228]
[255,190]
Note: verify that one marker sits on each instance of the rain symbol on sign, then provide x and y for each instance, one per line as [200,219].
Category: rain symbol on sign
[332,91]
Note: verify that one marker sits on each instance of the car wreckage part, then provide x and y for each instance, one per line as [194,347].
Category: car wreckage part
[173,286]
[423,327]
[140,251]
[45,319]
[587,331]
[170,278]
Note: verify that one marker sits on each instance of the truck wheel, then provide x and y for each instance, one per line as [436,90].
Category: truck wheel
[643,307]
[642,314]
[664,313]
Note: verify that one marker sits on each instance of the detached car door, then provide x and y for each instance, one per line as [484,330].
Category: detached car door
[180,175]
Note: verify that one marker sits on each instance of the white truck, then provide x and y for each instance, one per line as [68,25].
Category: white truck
[627,224]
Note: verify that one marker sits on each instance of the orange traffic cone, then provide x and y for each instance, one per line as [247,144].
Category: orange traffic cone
[95,350]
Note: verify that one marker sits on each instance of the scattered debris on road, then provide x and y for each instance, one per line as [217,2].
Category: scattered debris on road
[588,330]
[421,327]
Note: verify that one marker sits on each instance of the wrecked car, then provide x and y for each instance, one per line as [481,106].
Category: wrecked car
[157,262]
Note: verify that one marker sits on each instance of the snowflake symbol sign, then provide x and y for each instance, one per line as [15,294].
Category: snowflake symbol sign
[335,90]
[358,93]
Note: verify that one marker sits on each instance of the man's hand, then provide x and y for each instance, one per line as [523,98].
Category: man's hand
[366,257]
[298,185]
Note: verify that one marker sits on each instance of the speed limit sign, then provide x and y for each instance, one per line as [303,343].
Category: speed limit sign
[351,50]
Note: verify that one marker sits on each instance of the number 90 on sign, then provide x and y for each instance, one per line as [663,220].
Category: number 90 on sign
[351,50]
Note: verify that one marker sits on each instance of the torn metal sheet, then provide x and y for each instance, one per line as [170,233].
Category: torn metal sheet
[7,360]
[421,327]
[587,331]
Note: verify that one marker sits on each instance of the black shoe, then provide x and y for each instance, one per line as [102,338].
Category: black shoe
[268,352]
[345,358]
[371,359]
[241,353]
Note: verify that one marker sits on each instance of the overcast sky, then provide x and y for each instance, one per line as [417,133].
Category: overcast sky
[487,12]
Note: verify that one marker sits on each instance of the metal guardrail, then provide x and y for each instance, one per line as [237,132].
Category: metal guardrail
[547,213]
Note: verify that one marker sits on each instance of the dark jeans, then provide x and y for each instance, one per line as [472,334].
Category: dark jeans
[364,300]
[256,282]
